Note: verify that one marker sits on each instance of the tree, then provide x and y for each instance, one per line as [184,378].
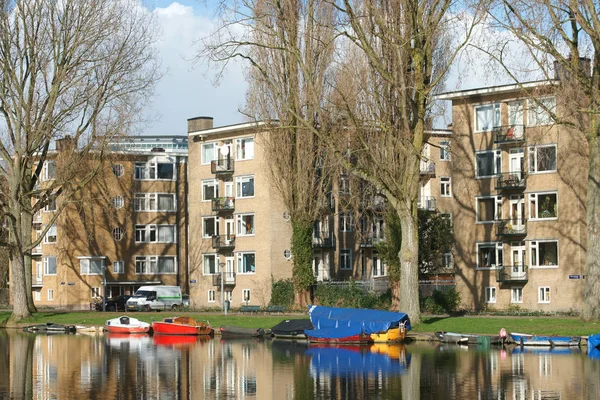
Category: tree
[72,74]
[565,35]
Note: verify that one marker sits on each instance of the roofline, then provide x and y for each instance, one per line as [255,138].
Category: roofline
[228,128]
[460,94]
[439,132]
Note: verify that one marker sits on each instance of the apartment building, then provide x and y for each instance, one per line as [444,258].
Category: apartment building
[124,230]
[518,189]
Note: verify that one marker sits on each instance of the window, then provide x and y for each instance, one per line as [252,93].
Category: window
[154,202]
[212,296]
[49,170]
[447,261]
[117,234]
[210,189]
[118,202]
[378,265]
[490,294]
[155,233]
[287,254]
[245,186]
[345,259]
[489,209]
[96,293]
[209,153]
[542,158]
[344,182]
[210,227]
[210,264]
[487,117]
[445,187]
[540,111]
[118,267]
[51,206]
[488,164]
[543,205]
[345,222]
[544,253]
[244,149]
[489,255]
[245,224]
[50,265]
[118,170]
[444,150]
[246,263]
[153,170]
[448,217]
[154,265]
[91,266]
[37,294]
[50,235]
[228,295]
[515,114]
[516,295]
[50,294]
[246,295]
[544,294]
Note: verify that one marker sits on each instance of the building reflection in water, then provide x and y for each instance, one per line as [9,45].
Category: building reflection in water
[165,367]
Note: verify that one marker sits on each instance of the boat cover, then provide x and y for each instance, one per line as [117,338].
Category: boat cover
[336,361]
[335,323]
[292,325]
[593,344]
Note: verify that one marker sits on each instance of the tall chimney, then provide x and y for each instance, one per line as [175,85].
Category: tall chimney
[199,124]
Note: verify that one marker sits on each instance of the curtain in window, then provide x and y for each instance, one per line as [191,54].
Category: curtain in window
[166,234]
[166,265]
[485,164]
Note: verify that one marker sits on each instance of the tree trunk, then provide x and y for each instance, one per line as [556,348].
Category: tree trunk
[18,289]
[26,234]
[591,309]
[302,251]
[409,259]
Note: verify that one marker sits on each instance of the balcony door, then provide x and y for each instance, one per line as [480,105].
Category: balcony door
[229,270]
[516,163]
[517,212]
[229,230]
[39,270]
[517,252]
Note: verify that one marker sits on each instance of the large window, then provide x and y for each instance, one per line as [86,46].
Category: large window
[378,265]
[544,294]
[244,149]
[154,202]
[50,235]
[210,189]
[490,294]
[212,296]
[245,186]
[155,233]
[345,259]
[245,224]
[91,266]
[210,264]
[209,153]
[489,163]
[489,255]
[50,265]
[445,186]
[516,295]
[153,170]
[540,111]
[544,253]
[154,265]
[49,170]
[246,263]
[489,209]
[487,117]
[210,227]
[543,205]
[542,158]
[345,222]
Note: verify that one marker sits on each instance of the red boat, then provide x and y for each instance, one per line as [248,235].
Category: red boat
[181,326]
[127,325]
[353,339]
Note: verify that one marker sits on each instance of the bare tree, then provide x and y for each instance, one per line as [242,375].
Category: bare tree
[72,74]
[564,36]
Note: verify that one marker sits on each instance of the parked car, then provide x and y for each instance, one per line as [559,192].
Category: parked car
[114,303]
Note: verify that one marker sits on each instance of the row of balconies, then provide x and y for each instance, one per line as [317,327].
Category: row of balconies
[512,274]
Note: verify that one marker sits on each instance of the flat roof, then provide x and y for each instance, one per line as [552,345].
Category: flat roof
[492,90]
[228,129]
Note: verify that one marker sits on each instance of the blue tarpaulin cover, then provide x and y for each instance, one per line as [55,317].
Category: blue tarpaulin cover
[593,344]
[333,361]
[335,322]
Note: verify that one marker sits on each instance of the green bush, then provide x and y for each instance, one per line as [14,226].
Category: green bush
[282,293]
[351,296]
[441,302]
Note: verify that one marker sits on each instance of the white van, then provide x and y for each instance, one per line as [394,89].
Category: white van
[157,298]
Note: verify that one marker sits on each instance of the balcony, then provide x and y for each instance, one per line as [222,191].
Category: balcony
[509,134]
[371,240]
[512,274]
[511,228]
[323,240]
[374,203]
[222,166]
[427,169]
[37,217]
[511,181]
[37,250]
[223,242]
[228,281]
[223,204]
[426,203]
[37,282]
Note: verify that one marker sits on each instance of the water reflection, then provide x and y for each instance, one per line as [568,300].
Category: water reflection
[173,367]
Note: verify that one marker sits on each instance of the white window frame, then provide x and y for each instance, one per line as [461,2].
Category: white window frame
[514,291]
[149,170]
[445,186]
[150,230]
[216,225]
[85,264]
[50,294]
[499,249]
[537,115]
[215,257]
[497,208]
[47,265]
[212,296]
[536,198]
[239,182]
[496,165]
[48,176]
[493,108]
[152,265]
[534,248]
[239,263]
[118,267]
[206,159]
[490,295]
[118,170]
[445,150]
[96,292]
[51,206]
[544,294]
[150,202]
[346,259]
[533,158]
[246,296]
[37,294]
[210,183]
[248,143]
[345,222]
[118,202]
[240,224]
[447,261]
[52,232]
[379,267]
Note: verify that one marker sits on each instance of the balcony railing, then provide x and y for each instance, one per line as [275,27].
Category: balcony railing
[513,227]
[37,281]
[223,204]
[223,242]
[426,203]
[509,134]
[36,250]
[427,168]
[222,166]
[511,181]
[228,281]
[375,203]
[371,240]
[37,217]
[323,240]
[512,274]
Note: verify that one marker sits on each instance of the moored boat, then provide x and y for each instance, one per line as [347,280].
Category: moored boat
[397,334]
[525,339]
[471,339]
[50,327]
[126,324]
[333,336]
[237,331]
[292,329]
[181,326]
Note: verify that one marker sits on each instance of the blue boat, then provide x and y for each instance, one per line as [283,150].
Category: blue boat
[593,346]
[345,325]
[525,339]
[355,360]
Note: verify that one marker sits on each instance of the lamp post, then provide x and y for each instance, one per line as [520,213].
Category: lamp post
[103,288]
[222,272]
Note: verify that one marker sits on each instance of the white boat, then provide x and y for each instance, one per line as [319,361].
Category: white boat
[126,324]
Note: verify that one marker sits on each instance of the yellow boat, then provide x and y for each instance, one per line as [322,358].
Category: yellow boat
[397,334]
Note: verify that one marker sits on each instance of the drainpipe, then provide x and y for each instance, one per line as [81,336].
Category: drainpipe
[177,219]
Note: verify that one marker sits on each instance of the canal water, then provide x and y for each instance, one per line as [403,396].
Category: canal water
[163,367]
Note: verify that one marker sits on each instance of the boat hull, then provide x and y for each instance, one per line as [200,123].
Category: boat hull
[544,340]
[236,331]
[127,325]
[463,338]
[353,339]
[128,329]
[181,326]
[391,335]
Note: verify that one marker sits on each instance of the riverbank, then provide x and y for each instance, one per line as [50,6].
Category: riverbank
[488,325]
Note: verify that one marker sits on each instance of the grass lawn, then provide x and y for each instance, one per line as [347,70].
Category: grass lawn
[469,324]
